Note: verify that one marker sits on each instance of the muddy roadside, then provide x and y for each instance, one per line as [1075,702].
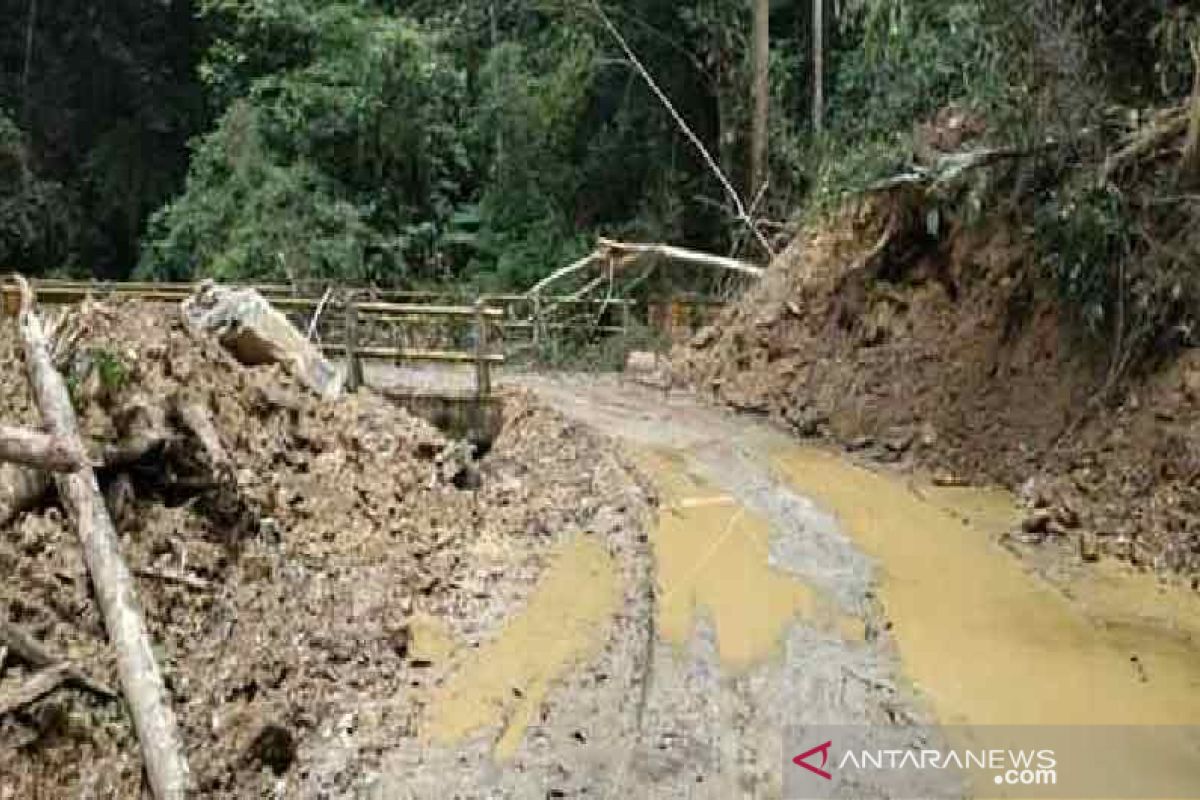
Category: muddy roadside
[955,625]
[287,594]
[956,357]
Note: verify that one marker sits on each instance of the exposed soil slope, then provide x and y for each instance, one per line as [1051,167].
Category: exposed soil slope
[952,355]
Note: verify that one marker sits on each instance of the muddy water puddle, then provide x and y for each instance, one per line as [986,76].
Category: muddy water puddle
[712,559]
[506,680]
[985,641]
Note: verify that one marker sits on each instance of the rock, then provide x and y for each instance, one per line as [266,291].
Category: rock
[949,480]
[1089,548]
[1037,522]
[641,362]
[929,435]
[648,369]
[705,337]
[900,440]
[1029,537]
[859,443]
[1067,517]
[256,333]
[1033,494]
[273,747]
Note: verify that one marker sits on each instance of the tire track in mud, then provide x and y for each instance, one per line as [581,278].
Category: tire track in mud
[777,623]
[981,637]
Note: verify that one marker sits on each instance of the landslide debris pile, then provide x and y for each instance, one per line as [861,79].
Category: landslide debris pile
[950,354]
[278,567]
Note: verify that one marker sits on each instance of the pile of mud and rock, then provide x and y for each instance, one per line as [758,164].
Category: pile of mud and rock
[949,353]
[281,543]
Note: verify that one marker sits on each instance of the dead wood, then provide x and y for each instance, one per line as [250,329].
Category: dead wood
[615,256]
[1146,141]
[141,681]
[1189,165]
[196,419]
[172,576]
[39,450]
[623,250]
[35,654]
[33,689]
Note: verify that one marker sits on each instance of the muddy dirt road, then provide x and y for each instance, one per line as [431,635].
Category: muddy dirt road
[784,586]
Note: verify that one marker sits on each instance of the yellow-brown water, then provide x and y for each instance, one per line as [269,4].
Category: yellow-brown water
[986,641]
[712,558]
[564,622]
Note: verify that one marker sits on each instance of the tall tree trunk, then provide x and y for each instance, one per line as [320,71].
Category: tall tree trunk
[759,136]
[818,40]
[1189,167]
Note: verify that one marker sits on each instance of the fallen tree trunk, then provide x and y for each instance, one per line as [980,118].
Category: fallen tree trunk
[671,253]
[36,449]
[79,492]
[615,255]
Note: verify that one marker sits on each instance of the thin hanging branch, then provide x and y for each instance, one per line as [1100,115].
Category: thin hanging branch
[739,205]
[27,68]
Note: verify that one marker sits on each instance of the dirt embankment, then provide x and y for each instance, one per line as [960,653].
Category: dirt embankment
[279,589]
[953,356]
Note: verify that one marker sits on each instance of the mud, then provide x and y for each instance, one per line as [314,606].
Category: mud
[562,626]
[955,356]
[294,648]
[957,626]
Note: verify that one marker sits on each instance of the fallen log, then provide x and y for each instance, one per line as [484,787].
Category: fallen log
[79,492]
[682,255]
[39,450]
[615,255]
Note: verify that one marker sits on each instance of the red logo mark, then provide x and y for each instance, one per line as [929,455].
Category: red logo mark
[823,749]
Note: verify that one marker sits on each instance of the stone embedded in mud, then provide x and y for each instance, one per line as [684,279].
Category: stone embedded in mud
[273,747]
[1037,522]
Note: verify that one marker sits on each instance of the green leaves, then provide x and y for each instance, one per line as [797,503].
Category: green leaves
[333,163]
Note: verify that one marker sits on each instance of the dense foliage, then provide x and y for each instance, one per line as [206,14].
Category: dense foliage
[412,141]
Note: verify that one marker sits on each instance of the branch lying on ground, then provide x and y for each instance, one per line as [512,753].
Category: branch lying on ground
[36,449]
[35,654]
[1147,140]
[35,688]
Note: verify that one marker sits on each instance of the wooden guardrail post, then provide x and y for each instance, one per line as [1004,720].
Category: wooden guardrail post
[483,375]
[354,371]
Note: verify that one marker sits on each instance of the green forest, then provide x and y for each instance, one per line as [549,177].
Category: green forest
[488,142]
